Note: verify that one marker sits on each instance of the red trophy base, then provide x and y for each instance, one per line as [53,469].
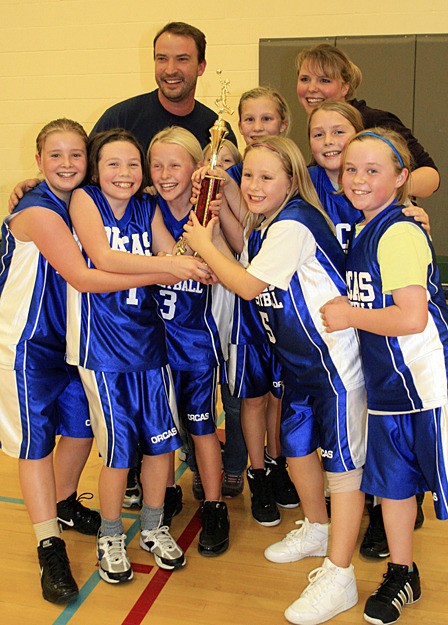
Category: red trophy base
[208,192]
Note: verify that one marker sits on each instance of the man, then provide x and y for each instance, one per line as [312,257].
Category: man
[179,59]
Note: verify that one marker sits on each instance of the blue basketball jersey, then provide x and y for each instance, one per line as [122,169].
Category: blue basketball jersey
[406,373]
[338,207]
[188,309]
[122,331]
[323,362]
[32,295]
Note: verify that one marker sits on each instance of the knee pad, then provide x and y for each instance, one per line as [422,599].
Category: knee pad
[345,482]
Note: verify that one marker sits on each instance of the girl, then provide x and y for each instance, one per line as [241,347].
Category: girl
[396,302]
[253,372]
[330,127]
[326,73]
[295,262]
[228,156]
[194,349]
[40,395]
[129,389]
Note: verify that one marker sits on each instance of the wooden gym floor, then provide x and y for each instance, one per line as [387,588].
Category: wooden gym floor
[238,588]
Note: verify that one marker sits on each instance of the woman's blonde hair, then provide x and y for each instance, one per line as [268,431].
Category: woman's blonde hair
[399,153]
[178,136]
[331,62]
[295,168]
[352,115]
[235,153]
[59,125]
[280,104]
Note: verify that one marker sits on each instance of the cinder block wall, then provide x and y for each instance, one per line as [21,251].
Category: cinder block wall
[75,58]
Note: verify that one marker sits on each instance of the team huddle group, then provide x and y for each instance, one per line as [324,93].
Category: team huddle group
[312,297]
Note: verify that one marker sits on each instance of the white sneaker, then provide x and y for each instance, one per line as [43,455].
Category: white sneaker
[166,552]
[310,540]
[113,564]
[331,590]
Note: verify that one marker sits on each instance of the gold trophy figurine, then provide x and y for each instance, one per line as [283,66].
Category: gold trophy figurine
[218,132]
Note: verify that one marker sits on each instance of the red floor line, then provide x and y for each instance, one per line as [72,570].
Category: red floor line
[160,578]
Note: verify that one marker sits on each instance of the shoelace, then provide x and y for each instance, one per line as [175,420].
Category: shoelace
[293,535]
[57,561]
[315,590]
[161,538]
[115,547]
[85,496]
[233,480]
[266,494]
[395,587]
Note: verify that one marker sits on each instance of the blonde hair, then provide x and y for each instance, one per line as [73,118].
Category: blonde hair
[332,62]
[178,136]
[235,153]
[398,150]
[59,125]
[281,104]
[295,168]
[352,115]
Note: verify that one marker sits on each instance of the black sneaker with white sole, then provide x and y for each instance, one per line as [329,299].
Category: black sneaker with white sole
[73,515]
[58,585]
[263,504]
[399,588]
[214,536]
[284,490]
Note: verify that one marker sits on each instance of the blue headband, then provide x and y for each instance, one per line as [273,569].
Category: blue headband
[391,145]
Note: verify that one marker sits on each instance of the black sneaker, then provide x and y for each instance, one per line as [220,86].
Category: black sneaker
[214,536]
[398,588]
[134,494]
[232,485]
[73,515]
[197,488]
[173,504]
[58,585]
[264,508]
[374,543]
[420,516]
[284,490]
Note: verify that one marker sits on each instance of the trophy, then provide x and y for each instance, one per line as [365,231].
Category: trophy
[210,183]
[218,132]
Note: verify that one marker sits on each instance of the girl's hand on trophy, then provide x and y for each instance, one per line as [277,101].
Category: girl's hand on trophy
[215,205]
[196,235]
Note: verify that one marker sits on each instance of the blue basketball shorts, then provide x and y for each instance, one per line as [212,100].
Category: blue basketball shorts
[253,371]
[335,423]
[38,404]
[196,399]
[127,409]
[407,454]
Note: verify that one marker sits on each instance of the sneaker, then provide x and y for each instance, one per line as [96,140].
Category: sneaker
[374,544]
[134,493]
[420,516]
[58,585]
[173,504]
[310,540]
[398,588]
[331,590]
[73,515]
[113,564]
[284,490]
[214,536]
[232,485]
[264,508]
[167,553]
[197,488]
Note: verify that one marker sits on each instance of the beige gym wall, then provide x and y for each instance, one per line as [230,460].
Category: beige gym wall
[75,58]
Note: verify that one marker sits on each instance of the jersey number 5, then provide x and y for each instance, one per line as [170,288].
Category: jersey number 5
[265,321]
